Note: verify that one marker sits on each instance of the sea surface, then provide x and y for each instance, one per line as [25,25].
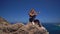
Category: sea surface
[52,28]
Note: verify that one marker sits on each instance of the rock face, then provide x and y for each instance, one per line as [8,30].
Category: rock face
[20,28]
[3,21]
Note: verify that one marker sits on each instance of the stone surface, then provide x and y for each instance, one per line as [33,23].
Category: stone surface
[3,21]
[20,28]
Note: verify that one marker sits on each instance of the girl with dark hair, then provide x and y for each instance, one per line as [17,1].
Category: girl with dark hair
[32,15]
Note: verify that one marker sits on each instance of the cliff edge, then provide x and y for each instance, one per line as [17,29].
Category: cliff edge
[19,28]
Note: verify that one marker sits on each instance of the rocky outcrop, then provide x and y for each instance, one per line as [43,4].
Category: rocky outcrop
[20,28]
[3,21]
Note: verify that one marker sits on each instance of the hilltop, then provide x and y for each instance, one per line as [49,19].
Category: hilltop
[19,28]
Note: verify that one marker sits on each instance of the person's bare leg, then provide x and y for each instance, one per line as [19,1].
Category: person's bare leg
[33,23]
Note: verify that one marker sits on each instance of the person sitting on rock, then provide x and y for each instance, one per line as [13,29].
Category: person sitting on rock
[32,15]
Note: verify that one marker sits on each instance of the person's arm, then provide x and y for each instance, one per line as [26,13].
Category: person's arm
[31,14]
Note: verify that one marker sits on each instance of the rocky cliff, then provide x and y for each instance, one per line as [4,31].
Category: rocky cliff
[20,28]
[3,21]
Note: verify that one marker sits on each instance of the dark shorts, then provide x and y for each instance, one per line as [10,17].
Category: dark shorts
[32,18]
[36,21]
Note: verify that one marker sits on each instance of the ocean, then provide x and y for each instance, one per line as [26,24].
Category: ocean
[52,28]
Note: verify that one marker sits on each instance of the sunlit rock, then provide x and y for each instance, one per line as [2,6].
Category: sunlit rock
[20,28]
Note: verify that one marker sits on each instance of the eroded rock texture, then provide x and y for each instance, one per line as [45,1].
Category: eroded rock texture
[19,28]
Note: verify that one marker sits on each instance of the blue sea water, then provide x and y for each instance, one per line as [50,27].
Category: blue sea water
[52,28]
